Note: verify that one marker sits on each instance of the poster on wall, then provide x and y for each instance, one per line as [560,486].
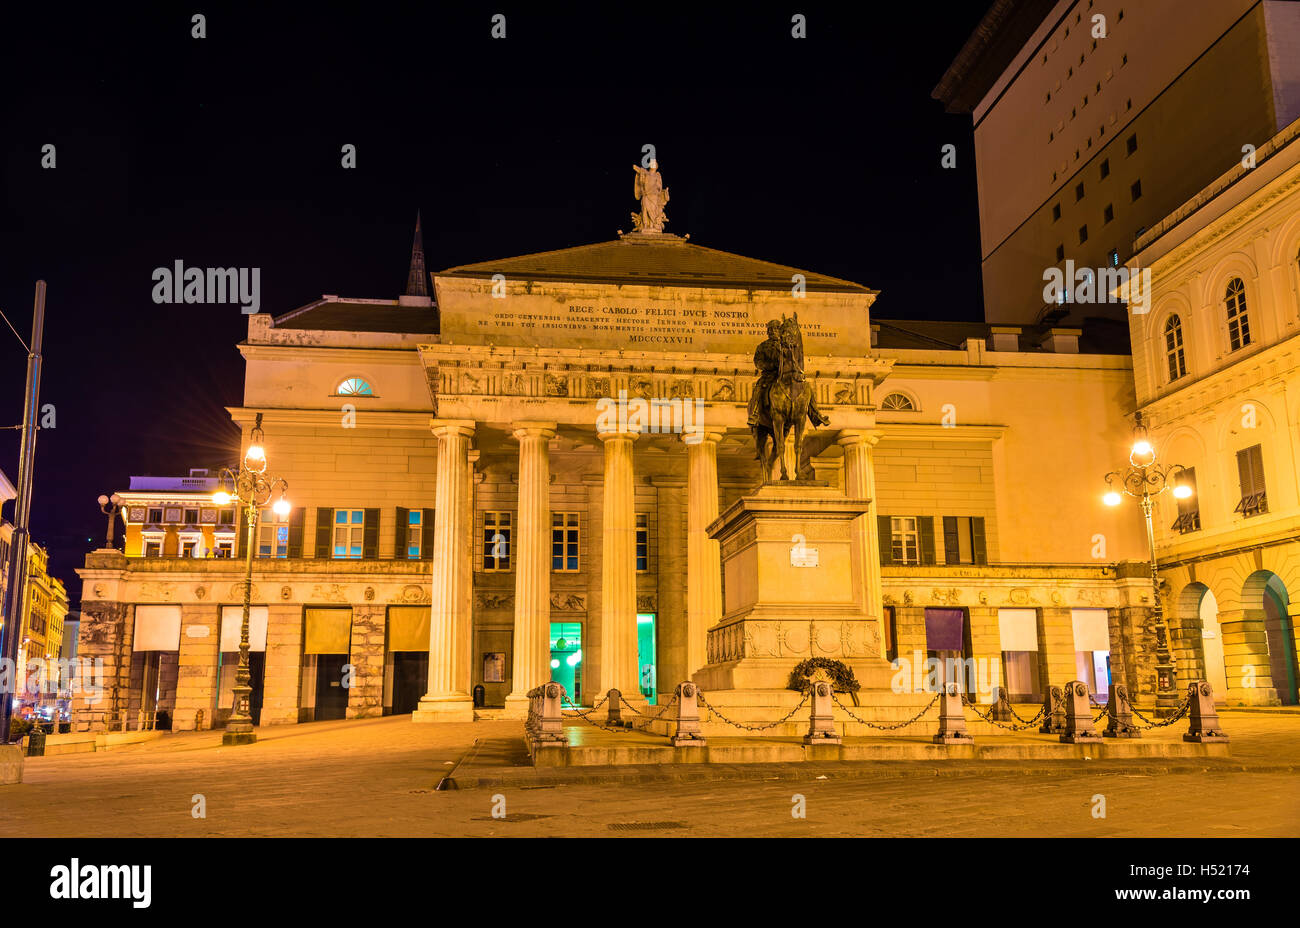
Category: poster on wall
[494,667]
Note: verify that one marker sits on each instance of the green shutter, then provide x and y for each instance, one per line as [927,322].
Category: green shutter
[926,526]
[241,532]
[885,536]
[297,520]
[951,543]
[324,531]
[426,535]
[370,535]
[977,540]
[401,537]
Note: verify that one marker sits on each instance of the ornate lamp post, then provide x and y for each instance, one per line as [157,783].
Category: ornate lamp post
[110,506]
[254,489]
[1144,480]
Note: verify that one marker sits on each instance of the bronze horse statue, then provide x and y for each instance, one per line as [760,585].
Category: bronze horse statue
[788,399]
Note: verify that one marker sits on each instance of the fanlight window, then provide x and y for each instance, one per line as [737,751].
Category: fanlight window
[355,386]
[1174,348]
[898,402]
[1238,322]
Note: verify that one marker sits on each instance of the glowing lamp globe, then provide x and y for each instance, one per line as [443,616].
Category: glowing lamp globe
[1112,499]
[281,507]
[1182,491]
[221,498]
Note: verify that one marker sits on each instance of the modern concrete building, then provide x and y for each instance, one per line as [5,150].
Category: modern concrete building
[1094,119]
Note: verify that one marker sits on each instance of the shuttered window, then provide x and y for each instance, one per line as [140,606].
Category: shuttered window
[963,540]
[1250,471]
[1189,510]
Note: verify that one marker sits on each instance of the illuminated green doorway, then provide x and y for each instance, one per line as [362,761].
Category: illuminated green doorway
[646,657]
[566,658]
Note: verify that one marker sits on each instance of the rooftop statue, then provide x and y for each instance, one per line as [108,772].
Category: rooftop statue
[652,193]
[782,399]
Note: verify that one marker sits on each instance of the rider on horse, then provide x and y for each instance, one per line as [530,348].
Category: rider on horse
[767,360]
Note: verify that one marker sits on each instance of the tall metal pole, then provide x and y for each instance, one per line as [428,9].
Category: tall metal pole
[1166,685]
[16,591]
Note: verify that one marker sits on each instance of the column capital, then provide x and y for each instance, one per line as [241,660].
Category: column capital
[869,437]
[699,436]
[528,429]
[463,427]
[615,433]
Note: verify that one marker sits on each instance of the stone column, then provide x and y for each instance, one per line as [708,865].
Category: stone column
[618,570]
[1056,646]
[366,694]
[703,554]
[532,563]
[196,683]
[860,483]
[282,678]
[1245,658]
[450,628]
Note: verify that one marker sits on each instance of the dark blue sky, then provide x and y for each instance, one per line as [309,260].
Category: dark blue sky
[821,153]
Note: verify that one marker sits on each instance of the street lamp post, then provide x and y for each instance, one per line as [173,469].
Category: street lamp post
[110,506]
[254,489]
[1144,480]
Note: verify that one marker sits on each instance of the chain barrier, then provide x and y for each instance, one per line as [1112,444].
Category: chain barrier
[704,702]
[1177,716]
[1042,710]
[650,719]
[1030,723]
[853,715]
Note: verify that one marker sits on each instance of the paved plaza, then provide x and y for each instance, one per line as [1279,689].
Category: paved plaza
[378,778]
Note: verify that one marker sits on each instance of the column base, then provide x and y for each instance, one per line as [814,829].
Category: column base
[458,708]
[238,737]
[1255,696]
[516,707]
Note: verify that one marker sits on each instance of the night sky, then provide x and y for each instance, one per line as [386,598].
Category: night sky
[821,153]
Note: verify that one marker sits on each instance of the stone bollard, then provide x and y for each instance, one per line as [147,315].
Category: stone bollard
[545,725]
[821,726]
[1001,711]
[688,734]
[1079,727]
[1204,720]
[614,709]
[1053,711]
[952,720]
[1119,714]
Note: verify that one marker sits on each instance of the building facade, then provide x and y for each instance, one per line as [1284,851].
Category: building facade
[1217,369]
[509,478]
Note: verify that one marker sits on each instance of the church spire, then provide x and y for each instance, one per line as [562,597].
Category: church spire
[416,279]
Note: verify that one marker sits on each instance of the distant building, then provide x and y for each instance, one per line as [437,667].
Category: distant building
[176,517]
[1090,131]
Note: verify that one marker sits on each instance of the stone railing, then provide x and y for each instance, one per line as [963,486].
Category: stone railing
[544,727]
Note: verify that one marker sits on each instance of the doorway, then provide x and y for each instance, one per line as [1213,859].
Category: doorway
[228,670]
[566,659]
[647,656]
[410,680]
[331,695]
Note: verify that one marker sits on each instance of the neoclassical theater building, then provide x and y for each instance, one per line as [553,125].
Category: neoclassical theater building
[507,475]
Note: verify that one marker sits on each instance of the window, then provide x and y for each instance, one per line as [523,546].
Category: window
[191,517]
[273,535]
[898,402]
[349,532]
[1056,211]
[1135,191]
[1174,348]
[1238,322]
[1083,234]
[642,541]
[1131,144]
[226,517]
[224,549]
[1108,214]
[905,540]
[1078,192]
[153,549]
[155,516]
[414,533]
[1189,510]
[564,541]
[188,547]
[496,541]
[355,386]
[1060,252]
[1250,470]
[963,540]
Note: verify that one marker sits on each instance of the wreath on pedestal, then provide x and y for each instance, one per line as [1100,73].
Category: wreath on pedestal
[841,676]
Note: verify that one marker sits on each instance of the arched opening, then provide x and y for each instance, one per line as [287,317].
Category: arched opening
[1265,594]
[1198,607]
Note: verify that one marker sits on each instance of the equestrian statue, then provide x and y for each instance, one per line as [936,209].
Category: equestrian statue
[782,399]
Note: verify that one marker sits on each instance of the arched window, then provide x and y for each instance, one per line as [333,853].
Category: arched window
[1238,322]
[1174,348]
[355,386]
[898,402]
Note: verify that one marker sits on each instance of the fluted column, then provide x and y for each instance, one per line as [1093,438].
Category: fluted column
[703,554]
[860,483]
[532,562]
[618,570]
[451,622]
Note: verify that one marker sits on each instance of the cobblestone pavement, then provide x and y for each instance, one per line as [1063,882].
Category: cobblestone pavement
[377,777]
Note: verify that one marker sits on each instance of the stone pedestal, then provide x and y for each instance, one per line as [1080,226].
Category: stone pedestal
[11,764]
[793,586]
